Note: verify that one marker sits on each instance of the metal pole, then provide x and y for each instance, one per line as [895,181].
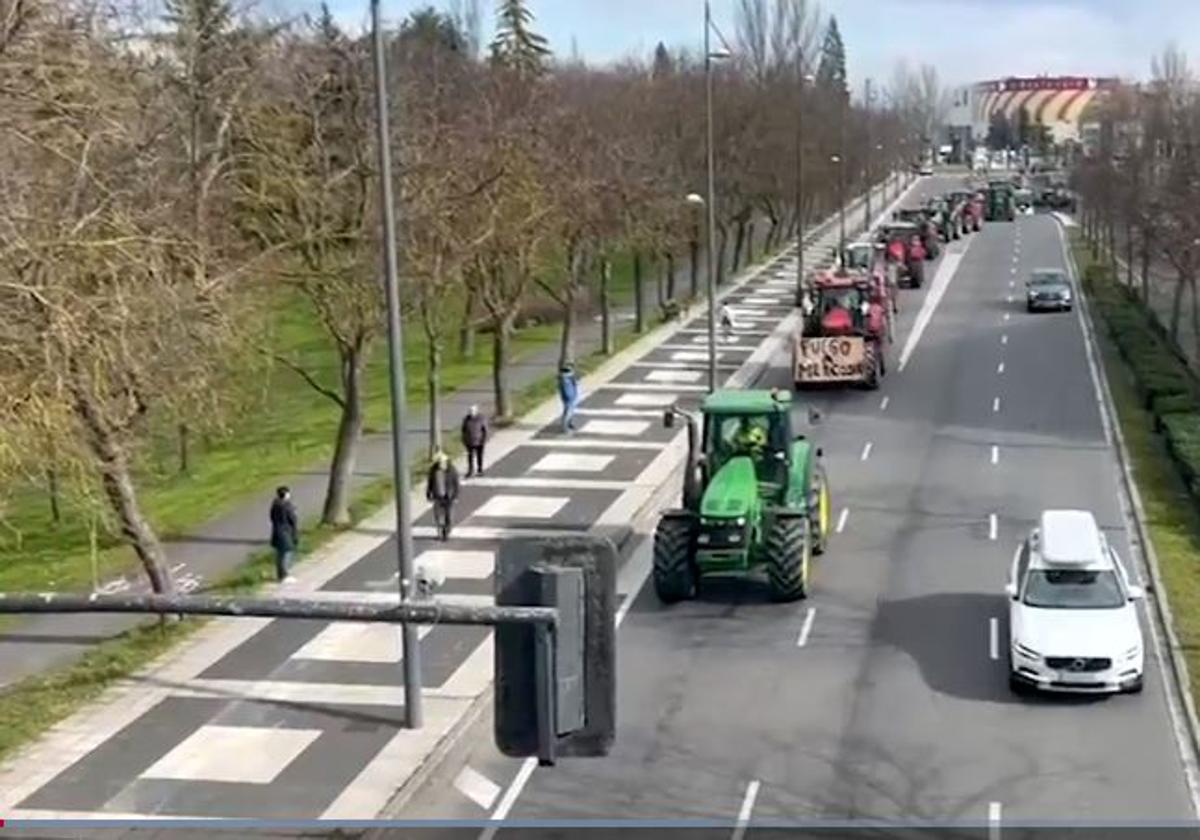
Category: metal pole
[800,180]
[867,160]
[410,649]
[842,185]
[712,208]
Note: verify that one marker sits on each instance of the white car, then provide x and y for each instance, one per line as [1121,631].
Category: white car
[926,169]
[1073,622]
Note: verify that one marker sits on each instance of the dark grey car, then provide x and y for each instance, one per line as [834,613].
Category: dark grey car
[1049,288]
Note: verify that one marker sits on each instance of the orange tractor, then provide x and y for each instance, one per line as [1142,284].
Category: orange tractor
[847,323]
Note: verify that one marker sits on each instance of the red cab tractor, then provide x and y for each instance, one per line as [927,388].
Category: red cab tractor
[841,338]
[904,252]
[927,228]
[972,208]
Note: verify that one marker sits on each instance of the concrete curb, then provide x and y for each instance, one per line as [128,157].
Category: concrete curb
[1180,679]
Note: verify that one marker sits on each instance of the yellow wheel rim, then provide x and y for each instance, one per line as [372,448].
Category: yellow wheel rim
[824,510]
[805,564]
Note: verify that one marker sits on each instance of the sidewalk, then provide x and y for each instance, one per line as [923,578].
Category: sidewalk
[1162,291]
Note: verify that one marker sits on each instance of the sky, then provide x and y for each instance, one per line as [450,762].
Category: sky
[967,40]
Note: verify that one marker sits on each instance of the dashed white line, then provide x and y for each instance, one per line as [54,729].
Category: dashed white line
[1007,315]
[995,405]
[992,526]
[1000,368]
[866,453]
[477,787]
[1008,299]
[1014,269]
[1004,339]
[995,454]
[884,403]
[747,808]
[993,638]
[994,821]
[842,517]
[806,628]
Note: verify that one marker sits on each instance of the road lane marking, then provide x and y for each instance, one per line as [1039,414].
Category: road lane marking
[994,821]
[1008,299]
[866,453]
[884,404]
[1007,315]
[993,638]
[995,454]
[1012,284]
[1004,339]
[1000,368]
[995,405]
[806,628]
[747,808]
[992,526]
[841,523]
[477,787]
[941,282]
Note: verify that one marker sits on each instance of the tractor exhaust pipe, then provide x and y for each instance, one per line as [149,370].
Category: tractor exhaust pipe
[692,480]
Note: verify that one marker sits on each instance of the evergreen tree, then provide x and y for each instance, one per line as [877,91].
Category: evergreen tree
[516,46]
[831,71]
[664,65]
[428,28]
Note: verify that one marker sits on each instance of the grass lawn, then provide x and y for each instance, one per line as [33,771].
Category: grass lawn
[1171,515]
[285,427]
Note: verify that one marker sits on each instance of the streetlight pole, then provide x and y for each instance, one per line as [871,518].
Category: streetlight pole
[841,156]
[867,161]
[802,80]
[410,647]
[711,283]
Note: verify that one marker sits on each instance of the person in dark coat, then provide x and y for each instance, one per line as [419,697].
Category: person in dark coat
[441,489]
[285,533]
[568,392]
[474,438]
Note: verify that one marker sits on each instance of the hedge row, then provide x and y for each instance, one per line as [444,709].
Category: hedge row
[1166,386]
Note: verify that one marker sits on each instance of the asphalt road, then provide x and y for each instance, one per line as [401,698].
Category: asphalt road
[884,695]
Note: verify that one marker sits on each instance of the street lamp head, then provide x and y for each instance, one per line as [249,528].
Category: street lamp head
[835,159]
[720,54]
[695,198]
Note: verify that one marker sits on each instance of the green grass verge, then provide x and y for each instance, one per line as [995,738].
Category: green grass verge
[1172,516]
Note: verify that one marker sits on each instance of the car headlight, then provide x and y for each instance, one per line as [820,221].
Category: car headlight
[1027,652]
[1065,294]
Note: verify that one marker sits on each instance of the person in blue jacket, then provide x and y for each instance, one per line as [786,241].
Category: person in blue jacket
[568,392]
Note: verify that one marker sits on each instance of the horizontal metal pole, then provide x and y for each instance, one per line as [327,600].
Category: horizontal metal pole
[409,612]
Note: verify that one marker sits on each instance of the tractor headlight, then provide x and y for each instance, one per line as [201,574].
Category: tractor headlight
[741,522]
[702,539]
[735,538]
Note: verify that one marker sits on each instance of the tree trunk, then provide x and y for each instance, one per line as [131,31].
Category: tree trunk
[750,242]
[720,257]
[1177,306]
[119,489]
[1195,318]
[606,340]
[670,268]
[639,302]
[52,489]
[336,510]
[466,333]
[660,282]
[433,383]
[739,245]
[1145,269]
[694,252]
[1129,255]
[501,341]
[184,460]
[566,347]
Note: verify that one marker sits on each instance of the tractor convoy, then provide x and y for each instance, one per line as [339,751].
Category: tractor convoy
[755,495]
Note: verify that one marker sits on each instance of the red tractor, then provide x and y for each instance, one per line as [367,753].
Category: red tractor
[905,254]
[842,335]
[972,209]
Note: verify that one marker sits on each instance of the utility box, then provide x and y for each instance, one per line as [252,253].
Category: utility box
[564,697]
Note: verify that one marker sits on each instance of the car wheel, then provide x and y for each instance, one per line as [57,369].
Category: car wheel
[1029,307]
[1136,686]
[1016,686]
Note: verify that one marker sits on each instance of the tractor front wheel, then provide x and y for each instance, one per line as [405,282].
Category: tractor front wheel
[789,554]
[824,518]
[674,571]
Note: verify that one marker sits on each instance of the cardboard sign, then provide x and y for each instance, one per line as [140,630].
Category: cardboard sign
[830,359]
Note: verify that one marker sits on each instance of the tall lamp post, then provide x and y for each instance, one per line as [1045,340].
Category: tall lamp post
[410,647]
[867,161]
[711,202]
[837,161]
[805,78]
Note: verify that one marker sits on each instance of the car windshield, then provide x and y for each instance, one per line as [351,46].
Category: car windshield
[1047,279]
[1073,589]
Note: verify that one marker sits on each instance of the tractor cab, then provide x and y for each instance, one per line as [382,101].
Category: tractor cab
[841,304]
[897,239]
[860,256]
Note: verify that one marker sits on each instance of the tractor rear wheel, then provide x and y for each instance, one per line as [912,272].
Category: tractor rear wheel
[917,273]
[789,554]
[674,571]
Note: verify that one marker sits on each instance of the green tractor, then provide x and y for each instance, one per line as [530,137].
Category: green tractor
[1000,205]
[754,495]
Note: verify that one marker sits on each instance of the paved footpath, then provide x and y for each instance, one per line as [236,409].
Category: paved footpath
[296,719]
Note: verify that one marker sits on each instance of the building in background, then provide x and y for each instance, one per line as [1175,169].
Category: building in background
[1056,103]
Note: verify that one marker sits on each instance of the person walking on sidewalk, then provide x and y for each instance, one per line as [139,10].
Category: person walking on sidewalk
[285,533]
[728,325]
[474,438]
[568,392]
[442,489]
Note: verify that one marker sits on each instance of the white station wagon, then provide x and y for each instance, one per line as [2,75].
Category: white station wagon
[1073,622]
